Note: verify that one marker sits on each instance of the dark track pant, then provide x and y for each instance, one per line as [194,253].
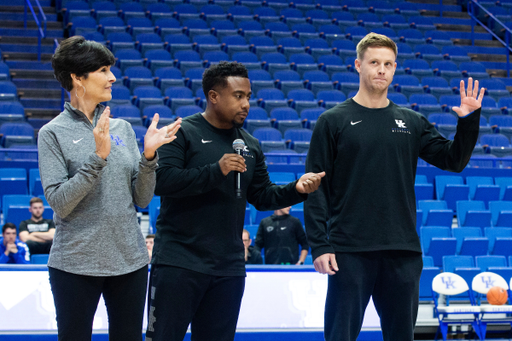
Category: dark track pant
[178,297]
[37,248]
[391,277]
[76,298]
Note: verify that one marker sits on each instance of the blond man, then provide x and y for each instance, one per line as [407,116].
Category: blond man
[369,149]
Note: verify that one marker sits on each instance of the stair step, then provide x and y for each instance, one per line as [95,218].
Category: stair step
[467,35]
[34,83]
[30,32]
[447,14]
[41,103]
[30,74]
[494,65]
[37,94]
[18,65]
[492,51]
[45,57]
[21,9]
[27,40]
[46,3]
[42,112]
[482,43]
[50,25]
[26,48]
[437,7]
[30,18]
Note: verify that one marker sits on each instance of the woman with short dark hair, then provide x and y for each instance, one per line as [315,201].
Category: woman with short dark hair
[93,176]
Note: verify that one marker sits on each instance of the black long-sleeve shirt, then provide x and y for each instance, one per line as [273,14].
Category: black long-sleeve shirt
[366,201]
[280,236]
[201,221]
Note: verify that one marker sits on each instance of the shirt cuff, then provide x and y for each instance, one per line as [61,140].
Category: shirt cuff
[147,163]
[467,114]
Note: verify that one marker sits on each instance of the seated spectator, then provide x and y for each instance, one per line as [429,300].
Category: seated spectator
[150,241]
[12,250]
[252,255]
[36,231]
[280,235]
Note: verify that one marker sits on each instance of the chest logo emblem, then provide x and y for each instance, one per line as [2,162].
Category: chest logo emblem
[400,124]
[206,141]
[270,228]
[76,141]
[354,123]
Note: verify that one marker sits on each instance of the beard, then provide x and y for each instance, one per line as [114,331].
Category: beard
[238,125]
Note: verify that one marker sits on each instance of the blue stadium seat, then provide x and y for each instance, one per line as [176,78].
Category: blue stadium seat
[317,80]
[147,95]
[127,112]
[425,104]
[437,86]
[177,96]
[501,213]
[473,213]
[330,98]
[166,77]
[499,239]
[470,241]
[310,116]
[505,184]
[299,139]
[135,76]
[437,242]
[482,188]
[302,99]
[165,115]
[451,188]
[417,67]
[20,133]
[35,187]
[270,99]
[407,85]
[428,53]
[188,110]
[435,213]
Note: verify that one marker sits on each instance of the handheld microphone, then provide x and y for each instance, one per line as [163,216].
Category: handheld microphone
[238,146]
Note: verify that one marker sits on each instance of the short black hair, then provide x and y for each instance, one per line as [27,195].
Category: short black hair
[215,75]
[79,56]
[8,226]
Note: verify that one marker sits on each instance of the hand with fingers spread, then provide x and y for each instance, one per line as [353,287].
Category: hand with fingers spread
[326,264]
[155,137]
[102,135]
[309,182]
[471,100]
[232,162]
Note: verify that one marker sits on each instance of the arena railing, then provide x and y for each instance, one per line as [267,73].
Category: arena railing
[473,5]
[41,27]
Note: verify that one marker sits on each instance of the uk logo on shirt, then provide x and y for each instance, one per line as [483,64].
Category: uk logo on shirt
[117,140]
[401,127]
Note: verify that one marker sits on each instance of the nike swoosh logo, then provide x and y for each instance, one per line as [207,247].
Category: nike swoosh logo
[206,141]
[76,141]
[354,123]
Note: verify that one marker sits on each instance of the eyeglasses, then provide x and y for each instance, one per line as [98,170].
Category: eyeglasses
[245,240]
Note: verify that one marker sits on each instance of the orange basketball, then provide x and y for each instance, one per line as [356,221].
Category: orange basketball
[497,296]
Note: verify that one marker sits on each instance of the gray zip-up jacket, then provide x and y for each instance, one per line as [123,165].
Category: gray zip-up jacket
[97,233]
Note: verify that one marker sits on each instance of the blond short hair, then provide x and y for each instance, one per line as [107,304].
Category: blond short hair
[375,40]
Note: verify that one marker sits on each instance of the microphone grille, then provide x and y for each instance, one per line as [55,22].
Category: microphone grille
[238,144]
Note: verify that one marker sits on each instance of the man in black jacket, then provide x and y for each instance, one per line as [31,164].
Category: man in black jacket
[361,222]
[198,266]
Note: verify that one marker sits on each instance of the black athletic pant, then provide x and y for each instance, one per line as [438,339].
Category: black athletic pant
[76,298]
[178,297]
[391,277]
[37,248]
